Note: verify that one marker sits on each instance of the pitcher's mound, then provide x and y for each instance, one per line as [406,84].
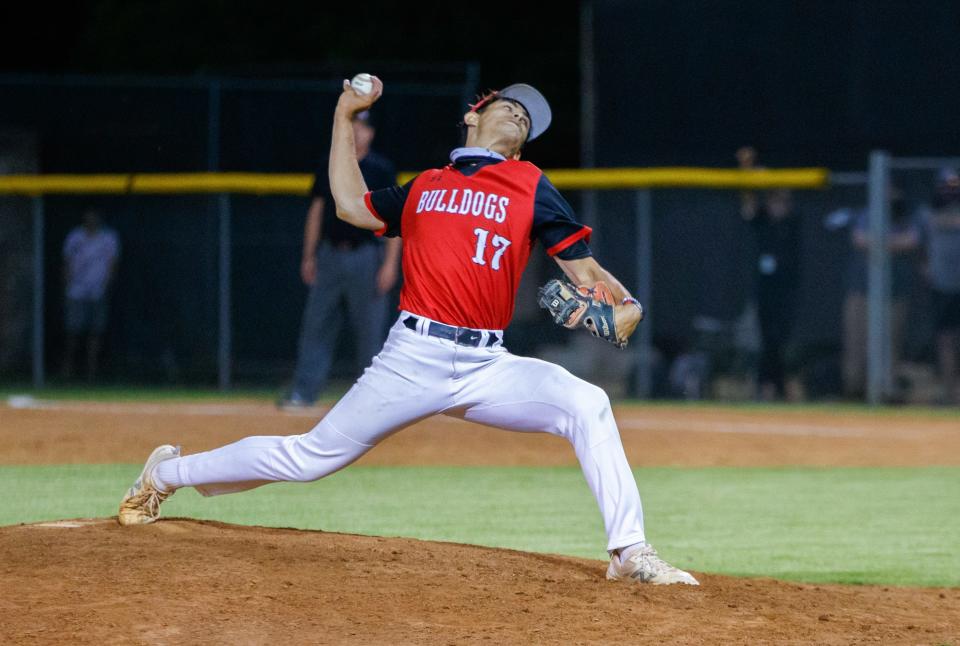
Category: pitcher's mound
[90,581]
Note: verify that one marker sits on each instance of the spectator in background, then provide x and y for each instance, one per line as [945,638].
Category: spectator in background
[942,236]
[90,254]
[349,272]
[776,271]
[904,240]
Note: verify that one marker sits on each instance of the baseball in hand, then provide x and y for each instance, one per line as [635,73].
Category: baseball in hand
[362,83]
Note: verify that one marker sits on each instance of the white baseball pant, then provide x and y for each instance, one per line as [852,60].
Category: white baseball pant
[414,377]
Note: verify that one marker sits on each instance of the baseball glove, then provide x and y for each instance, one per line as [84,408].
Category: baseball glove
[574,307]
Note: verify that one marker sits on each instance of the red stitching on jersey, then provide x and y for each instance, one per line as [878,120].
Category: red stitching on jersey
[583,233]
[373,212]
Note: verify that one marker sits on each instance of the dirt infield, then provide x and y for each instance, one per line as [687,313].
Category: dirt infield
[93,433]
[190,582]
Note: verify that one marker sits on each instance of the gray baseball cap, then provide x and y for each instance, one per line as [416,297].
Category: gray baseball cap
[534,103]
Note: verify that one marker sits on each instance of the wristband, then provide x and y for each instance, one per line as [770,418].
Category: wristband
[631,299]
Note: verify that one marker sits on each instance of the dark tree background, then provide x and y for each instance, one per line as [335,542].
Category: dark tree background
[811,82]
[511,42]
[679,81]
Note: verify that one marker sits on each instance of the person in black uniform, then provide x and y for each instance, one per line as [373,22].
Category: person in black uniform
[349,272]
[776,272]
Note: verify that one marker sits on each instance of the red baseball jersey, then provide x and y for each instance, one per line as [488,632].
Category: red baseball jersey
[467,230]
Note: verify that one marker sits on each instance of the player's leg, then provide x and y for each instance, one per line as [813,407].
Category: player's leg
[951,369]
[898,328]
[524,394]
[366,307]
[775,312]
[318,331]
[854,344]
[947,342]
[98,323]
[384,400]
[74,325]
[946,318]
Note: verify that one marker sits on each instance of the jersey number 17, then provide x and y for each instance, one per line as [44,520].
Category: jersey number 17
[499,243]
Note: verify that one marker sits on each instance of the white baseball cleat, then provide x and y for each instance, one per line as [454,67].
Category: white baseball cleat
[141,505]
[644,566]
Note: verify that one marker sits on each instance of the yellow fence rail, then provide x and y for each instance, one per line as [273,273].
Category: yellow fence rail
[299,183]
[683,177]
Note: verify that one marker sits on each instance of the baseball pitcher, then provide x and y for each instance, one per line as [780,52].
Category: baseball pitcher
[468,229]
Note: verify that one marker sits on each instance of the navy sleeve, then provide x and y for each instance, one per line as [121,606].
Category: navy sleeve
[555,225]
[386,205]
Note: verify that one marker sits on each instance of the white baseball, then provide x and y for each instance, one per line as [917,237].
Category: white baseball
[362,83]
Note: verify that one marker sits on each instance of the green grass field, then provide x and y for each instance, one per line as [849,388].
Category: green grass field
[895,526]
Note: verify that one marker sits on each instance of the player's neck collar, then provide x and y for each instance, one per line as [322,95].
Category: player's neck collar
[474,151]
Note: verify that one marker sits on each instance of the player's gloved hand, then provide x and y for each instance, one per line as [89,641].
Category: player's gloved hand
[591,308]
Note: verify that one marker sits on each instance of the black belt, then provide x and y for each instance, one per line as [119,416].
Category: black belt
[459,335]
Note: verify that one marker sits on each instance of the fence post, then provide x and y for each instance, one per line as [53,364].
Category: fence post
[224,350]
[878,280]
[644,247]
[37,350]
[224,336]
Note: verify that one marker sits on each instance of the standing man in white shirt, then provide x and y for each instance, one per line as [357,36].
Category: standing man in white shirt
[90,255]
